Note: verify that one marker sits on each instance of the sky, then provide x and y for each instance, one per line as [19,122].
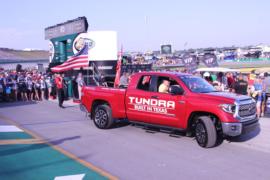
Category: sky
[141,25]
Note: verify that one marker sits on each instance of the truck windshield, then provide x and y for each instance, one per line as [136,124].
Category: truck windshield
[197,84]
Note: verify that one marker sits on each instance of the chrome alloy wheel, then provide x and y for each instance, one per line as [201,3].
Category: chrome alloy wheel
[201,134]
[101,118]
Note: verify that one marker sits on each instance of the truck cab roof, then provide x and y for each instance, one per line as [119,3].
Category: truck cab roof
[163,73]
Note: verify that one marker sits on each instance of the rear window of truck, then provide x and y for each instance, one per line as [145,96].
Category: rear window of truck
[144,83]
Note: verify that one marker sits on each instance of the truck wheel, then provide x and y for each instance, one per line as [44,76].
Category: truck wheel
[103,117]
[205,132]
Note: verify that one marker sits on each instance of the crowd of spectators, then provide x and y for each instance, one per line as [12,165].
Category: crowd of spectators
[254,85]
[236,54]
[31,85]
[28,85]
[160,61]
[166,61]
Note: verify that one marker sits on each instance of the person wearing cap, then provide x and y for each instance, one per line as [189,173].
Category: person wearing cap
[208,77]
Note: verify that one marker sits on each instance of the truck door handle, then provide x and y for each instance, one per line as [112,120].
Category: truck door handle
[182,102]
[154,97]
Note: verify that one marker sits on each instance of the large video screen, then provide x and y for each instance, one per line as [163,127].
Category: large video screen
[166,49]
[78,25]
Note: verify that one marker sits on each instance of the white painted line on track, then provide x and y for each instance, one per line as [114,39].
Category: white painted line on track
[5,128]
[70,177]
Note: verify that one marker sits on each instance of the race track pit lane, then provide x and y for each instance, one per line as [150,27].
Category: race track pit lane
[40,161]
[24,156]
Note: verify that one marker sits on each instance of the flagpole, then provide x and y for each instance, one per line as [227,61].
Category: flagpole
[88,68]
[87,74]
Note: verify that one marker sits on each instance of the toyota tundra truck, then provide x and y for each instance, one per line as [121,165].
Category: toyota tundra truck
[191,105]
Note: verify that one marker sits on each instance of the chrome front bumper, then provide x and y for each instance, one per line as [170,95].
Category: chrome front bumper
[236,129]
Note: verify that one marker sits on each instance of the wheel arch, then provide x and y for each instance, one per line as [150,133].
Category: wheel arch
[192,118]
[96,103]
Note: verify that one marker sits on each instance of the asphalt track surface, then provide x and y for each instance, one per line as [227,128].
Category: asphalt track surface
[130,152]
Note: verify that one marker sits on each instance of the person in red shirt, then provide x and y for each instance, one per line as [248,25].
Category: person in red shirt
[60,90]
[230,81]
[251,78]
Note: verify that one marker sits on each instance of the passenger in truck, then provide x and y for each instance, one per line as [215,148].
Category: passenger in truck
[146,83]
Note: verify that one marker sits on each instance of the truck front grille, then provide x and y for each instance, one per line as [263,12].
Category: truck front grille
[247,109]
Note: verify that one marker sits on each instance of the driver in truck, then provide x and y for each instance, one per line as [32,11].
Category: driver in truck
[164,86]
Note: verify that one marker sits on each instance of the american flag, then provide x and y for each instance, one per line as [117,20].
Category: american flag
[77,61]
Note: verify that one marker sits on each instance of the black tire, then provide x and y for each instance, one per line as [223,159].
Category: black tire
[205,132]
[103,117]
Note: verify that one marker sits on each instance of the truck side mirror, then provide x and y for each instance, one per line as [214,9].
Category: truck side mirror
[176,90]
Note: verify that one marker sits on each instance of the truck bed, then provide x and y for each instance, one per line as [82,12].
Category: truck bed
[114,96]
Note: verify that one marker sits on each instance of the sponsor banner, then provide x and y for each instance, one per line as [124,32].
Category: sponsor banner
[51,51]
[80,41]
[210,60]
[103,45]
[80,59]
[190,62]
[132,68]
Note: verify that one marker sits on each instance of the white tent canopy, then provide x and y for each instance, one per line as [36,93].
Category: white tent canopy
[216,69]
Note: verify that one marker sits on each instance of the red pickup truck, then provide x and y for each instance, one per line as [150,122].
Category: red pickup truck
[191,105]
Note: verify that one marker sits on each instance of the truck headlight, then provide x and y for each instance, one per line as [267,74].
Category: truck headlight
[229,108]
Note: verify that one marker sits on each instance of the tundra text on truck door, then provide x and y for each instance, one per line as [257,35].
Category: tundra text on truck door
[155,107]
[161,108]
